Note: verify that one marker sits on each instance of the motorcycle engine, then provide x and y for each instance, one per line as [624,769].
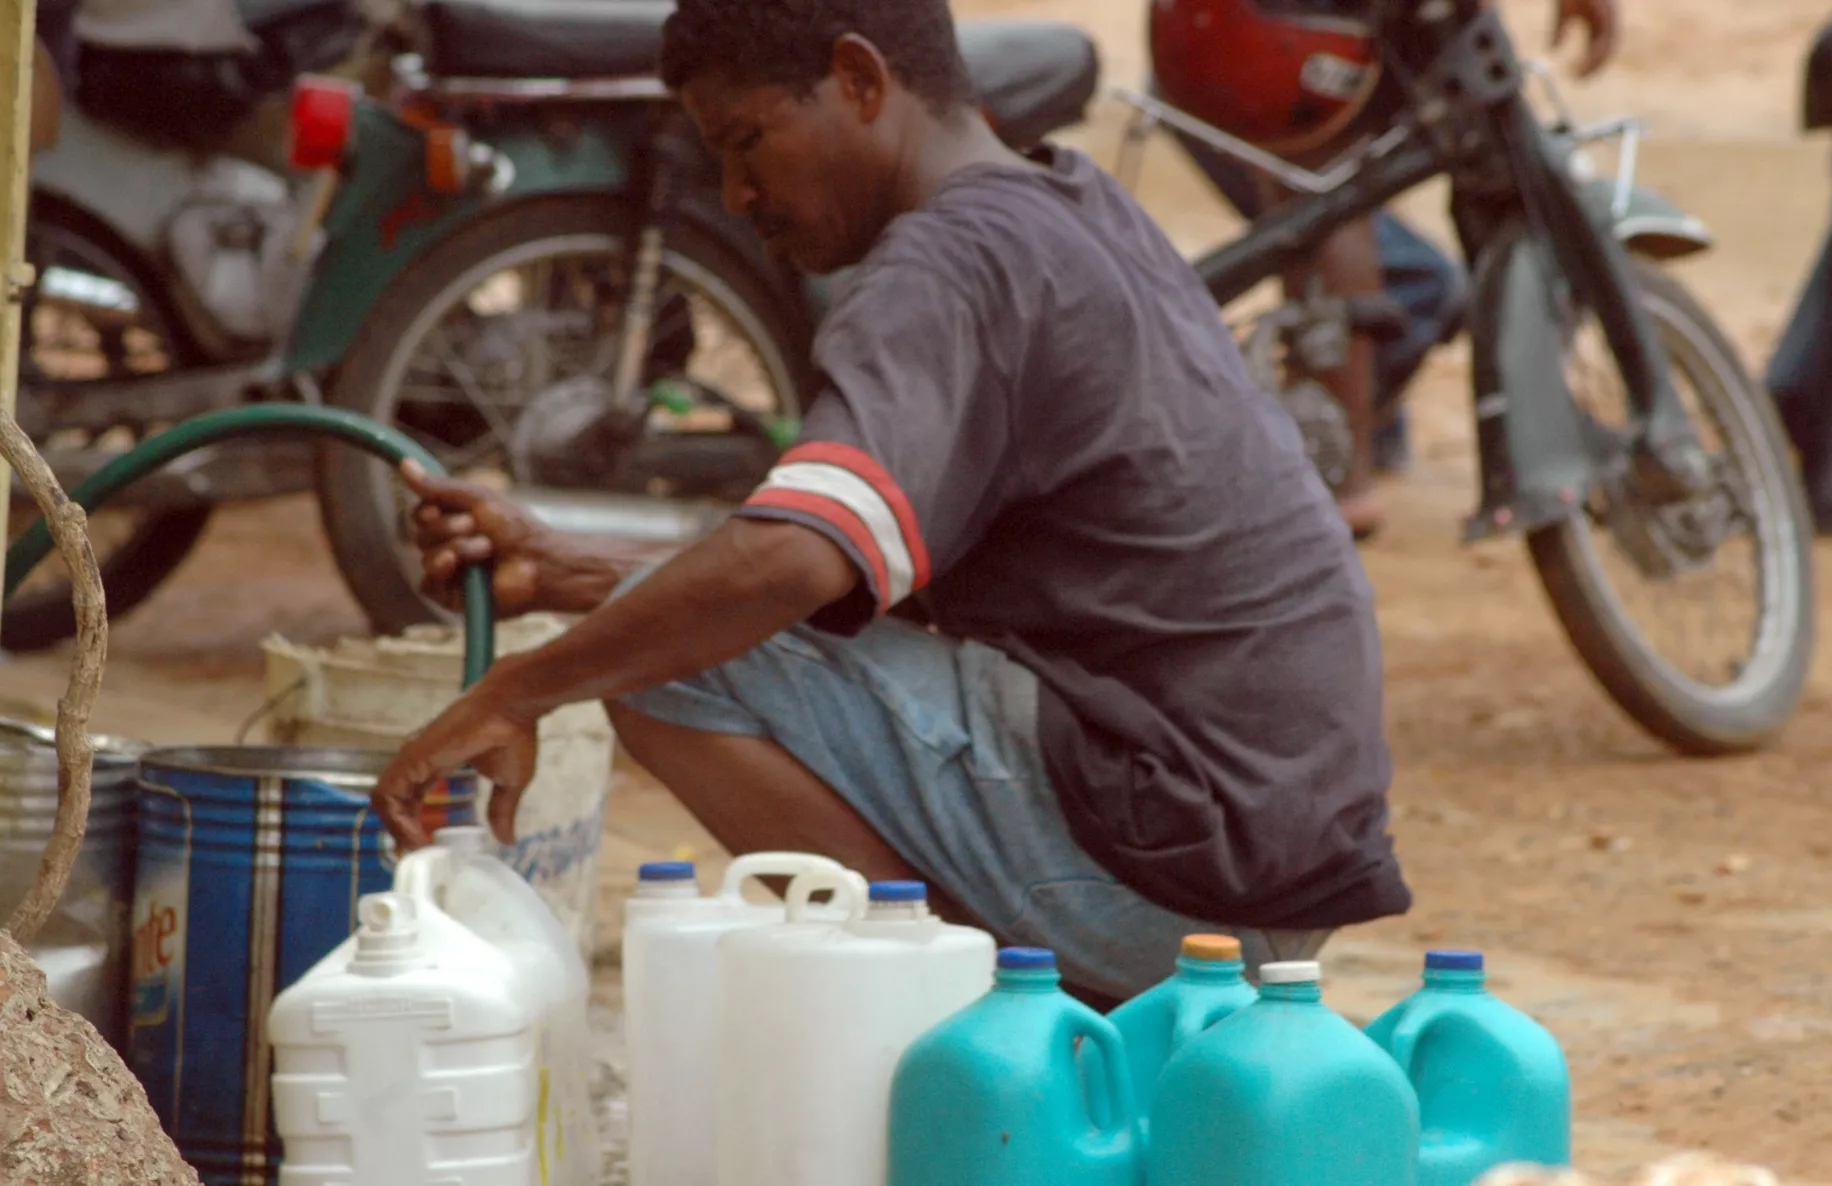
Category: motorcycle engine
[231,242]
[1323,427]
[573,436]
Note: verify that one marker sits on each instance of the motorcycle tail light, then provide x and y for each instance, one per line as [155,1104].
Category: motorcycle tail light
[324,111]
[447,158]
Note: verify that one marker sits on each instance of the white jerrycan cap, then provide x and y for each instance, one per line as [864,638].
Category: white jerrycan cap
[387,935]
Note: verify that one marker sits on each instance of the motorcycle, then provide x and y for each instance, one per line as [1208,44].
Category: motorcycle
[1557,253]
[169,245]
[517,252]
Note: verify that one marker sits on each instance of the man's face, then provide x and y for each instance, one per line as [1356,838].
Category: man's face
[808,171]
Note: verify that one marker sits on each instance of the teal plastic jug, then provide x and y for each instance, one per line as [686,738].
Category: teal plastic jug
[994,1096]
[1283,1093]
[1208,985]
[1492,1083]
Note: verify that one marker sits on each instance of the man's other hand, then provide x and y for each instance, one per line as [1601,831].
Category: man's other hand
[480,729]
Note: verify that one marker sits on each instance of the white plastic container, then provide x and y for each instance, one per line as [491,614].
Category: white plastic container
[813,1017]
[374,693]
[670,974]
[444,1042]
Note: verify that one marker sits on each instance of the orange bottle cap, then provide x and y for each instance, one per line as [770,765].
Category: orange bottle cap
[1211,947]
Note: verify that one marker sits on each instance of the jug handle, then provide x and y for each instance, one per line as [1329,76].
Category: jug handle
[1404,1043]
[770,864]
[422,874]
[1117,1089]
[846,886]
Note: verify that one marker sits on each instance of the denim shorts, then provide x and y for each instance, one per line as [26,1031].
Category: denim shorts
[934,742]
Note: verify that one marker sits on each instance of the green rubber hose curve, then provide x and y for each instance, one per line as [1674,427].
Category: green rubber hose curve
[346,426]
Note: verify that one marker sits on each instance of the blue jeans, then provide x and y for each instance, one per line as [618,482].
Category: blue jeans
[934,741]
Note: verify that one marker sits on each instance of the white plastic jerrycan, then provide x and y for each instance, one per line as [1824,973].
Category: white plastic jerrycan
[813,1017]
[444,1042]
[670,973]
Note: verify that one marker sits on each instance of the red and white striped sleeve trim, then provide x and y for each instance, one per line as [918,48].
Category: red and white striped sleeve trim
[844,488]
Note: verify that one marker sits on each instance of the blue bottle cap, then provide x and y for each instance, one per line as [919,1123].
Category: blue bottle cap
[665,871]
[1453,961]
[1027,959]
[899,891]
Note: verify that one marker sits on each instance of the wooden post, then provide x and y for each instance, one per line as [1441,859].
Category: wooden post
[17,38]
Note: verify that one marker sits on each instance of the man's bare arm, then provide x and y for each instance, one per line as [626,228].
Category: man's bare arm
[720,598]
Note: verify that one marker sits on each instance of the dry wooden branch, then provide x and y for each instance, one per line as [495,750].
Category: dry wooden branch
[75,752]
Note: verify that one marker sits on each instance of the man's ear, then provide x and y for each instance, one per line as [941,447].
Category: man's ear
[862,74]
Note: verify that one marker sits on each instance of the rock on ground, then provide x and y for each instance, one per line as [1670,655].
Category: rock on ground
[71,1113]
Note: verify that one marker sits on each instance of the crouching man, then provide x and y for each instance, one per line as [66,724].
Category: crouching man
[1141,695]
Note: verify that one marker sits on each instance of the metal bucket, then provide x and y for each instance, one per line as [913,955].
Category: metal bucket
[98,899]
[251,860]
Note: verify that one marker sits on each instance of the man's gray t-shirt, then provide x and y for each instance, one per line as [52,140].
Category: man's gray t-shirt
[1034,411]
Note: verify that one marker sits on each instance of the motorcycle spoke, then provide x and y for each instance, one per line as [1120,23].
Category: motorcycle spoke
[469,385]
[1690,577]
[469,457]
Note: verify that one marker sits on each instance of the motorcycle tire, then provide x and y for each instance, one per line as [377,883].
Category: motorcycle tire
[36,619]
[361,515]
[1693,717]
[41,615]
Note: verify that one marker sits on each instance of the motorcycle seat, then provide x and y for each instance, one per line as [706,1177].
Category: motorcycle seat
[1033,77]
[543,38]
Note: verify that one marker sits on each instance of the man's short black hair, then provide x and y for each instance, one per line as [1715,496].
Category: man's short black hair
[790,43]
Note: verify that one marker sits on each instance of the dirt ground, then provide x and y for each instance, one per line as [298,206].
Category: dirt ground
[1670,919]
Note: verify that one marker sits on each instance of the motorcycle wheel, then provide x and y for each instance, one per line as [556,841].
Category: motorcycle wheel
[470,280]
[1755,517]
[136,550]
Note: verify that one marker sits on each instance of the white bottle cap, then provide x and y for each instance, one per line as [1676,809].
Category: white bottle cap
[1291,972]
[388,935]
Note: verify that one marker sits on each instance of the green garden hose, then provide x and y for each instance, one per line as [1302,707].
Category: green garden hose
[351,428]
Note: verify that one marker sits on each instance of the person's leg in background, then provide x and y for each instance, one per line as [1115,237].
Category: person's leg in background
[1432,289]
[1428,285]
[1347,264]
[1800,381]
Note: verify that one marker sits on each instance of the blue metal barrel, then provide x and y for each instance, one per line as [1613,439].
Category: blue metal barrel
[249,866]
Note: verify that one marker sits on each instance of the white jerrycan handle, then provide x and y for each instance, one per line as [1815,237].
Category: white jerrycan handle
[423,873]
[846,885]
[770,864]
